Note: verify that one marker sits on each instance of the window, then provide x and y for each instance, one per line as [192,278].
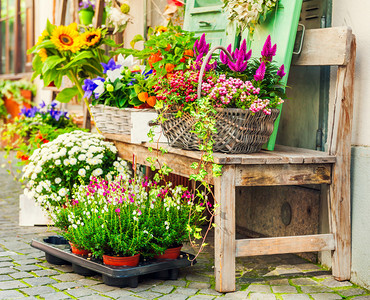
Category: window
[17,28]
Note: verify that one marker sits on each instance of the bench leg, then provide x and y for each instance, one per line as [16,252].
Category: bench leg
[225,230]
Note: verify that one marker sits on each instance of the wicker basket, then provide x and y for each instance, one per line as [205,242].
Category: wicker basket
[127,121]
[238,130]
[111,119]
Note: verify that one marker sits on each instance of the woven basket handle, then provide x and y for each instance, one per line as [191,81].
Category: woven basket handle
[204,64]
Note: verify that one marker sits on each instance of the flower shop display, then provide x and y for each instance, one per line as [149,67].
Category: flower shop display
[247,14]
[70,159]
[128,217]
[57,251]
[235,99]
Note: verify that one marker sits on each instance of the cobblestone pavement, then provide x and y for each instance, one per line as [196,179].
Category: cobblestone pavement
[24,272]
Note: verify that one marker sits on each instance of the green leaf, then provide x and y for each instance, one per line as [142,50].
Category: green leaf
[67,94]
[137,38]
[51,62]
[111,43]
[77,60]
[49,27]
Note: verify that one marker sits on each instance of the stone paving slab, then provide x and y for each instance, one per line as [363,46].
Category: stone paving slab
[25,274]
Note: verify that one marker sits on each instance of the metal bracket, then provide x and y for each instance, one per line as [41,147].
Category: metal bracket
[302,37]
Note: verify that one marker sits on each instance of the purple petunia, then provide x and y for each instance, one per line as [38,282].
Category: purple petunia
[110,66]
[260,72]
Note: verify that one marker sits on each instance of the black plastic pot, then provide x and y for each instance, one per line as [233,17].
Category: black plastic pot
[57,251]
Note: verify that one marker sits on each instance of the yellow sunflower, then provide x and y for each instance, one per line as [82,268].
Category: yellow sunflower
[66,38]
[43,54]
[90,38]
[42,37]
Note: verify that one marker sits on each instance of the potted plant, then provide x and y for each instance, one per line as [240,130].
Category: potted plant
[128,217]
[246,14]
[14,95]
[72,158]
[35,126]
[238,93]
[86,12]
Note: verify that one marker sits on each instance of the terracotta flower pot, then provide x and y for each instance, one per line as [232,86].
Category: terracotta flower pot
[78,251]
[13,107]
[120,261]
[170,253]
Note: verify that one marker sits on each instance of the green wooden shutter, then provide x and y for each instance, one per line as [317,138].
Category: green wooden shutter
[206,16]
[282,26]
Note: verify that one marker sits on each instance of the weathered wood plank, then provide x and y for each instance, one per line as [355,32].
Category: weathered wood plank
[339,191]
[286,244]
[63,12]
[225,230]
[179,164]
[325,47]
[283,174]
[282,154]
[99,8]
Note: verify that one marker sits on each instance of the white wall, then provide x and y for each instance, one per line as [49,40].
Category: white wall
[355,14]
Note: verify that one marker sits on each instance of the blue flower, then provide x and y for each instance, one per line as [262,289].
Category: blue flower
[110,66]
[42,104]
[89,86]
[132,82]
[54,103]
[146,75]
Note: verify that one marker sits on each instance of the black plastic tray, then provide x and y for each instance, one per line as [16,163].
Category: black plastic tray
[58,252]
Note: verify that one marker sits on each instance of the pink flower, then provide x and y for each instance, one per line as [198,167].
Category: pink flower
[281,72]
[260,72]
[117,210]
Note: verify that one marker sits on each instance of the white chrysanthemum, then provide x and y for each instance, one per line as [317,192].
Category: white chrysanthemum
[82,172]
[81,157]
[57,180]
[97,172]
[73,161]
[58,162]
[62,192]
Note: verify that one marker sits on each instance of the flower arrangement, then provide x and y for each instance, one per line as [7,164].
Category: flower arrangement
[118,14]
[124,217]
[167,49]
[72,158]
[241,82]
[121,87]
[35,126]
[64,51]
[247,14]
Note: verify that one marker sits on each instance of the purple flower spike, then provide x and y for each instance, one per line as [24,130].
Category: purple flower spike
[268,52]
[260,72]
[223,57]
[281,73]
[200,45]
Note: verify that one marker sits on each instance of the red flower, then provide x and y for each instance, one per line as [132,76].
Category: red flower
[176,2]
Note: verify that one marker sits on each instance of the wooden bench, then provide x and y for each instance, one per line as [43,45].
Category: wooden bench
[283,166]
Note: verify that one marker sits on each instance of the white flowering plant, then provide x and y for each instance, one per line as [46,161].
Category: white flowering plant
[248,13]
[124,217]
[70,159]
